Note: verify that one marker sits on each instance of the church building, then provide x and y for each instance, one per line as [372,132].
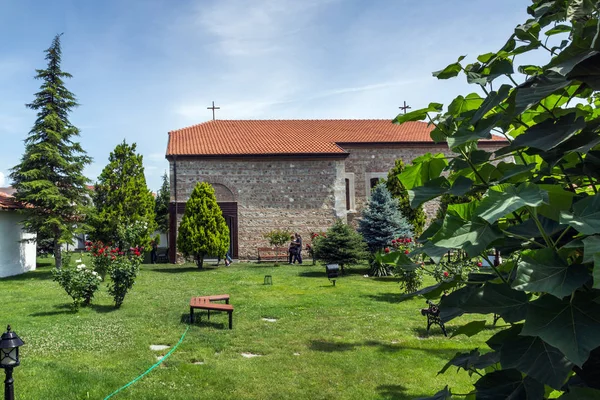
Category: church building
[298,175]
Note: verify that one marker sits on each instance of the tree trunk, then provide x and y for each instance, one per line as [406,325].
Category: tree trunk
[57,253]
[200,260]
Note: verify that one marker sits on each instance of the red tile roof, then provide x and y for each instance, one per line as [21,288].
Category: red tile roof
[8,202]
[253,137]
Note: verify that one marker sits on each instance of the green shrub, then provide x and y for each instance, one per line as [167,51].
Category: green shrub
[80,282]
[123,271]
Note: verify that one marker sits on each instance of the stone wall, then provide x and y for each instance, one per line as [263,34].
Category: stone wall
[302,194]
[299,194]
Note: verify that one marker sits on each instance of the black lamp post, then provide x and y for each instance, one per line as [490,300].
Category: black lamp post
[9,358]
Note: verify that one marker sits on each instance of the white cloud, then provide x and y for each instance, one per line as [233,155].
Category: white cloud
[1,179]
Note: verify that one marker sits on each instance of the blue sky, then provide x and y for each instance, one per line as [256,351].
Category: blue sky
[144,67]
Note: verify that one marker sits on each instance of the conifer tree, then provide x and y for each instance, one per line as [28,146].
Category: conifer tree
[341,245]
[382,221]
[50,174]
[416,216]
[161,205]
[203,230]
[124,205]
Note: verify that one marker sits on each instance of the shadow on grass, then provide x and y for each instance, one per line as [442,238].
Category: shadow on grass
[386,297]
[59,310]
[179,270]
[330,347]
[393,392]
[45,274]
[201,320]
[104,308]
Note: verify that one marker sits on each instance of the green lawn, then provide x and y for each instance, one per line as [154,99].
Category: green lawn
[352,341]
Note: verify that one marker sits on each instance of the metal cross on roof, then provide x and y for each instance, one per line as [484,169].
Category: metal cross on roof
[405,107]
[213,108]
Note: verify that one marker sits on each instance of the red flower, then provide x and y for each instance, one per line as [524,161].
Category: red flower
[387,249]
[409,240]
[406,251]
[136,252]
[446,274]
[479,264]
[393,241]
[113,258]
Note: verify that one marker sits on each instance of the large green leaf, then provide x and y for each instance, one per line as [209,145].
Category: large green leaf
[461,105]
[490,298]
[588,71]
[472,236]
[559,200]
[596,271]
[508,198]
[450,71]
[591,246]
[537,88]
[545,271]
[585,217]
[532,356]
[423,169]
[464,210]
[550,133]
[570,325]
[429,190]
[434,252]
[491,101]
[400,260]
[470,329]
[581,393]
[508,384]
[473,359]
[417,115]
[530,230]
[434,291]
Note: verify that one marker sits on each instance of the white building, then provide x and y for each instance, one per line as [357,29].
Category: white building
[17,247]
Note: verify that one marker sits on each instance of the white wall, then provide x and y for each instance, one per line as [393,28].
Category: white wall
[16,257]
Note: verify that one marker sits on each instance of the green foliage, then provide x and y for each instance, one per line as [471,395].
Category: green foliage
[536,200]
[50,174]
[382,220]
[123,272]
[161,205]
[123,201]
[278,237]
[80,282]
[416,216]
[203,230]
[340,245]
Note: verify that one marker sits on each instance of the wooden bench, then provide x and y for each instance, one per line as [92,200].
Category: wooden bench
[272,254]
[206,303]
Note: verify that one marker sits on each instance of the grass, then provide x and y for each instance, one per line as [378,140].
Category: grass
[351,341]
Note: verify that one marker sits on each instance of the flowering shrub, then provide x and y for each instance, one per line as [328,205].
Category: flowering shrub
[121,265]
[80,283]
[133,233]
[123,271]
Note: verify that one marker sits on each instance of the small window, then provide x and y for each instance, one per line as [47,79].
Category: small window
[349,192]
[371,180]
[374,182]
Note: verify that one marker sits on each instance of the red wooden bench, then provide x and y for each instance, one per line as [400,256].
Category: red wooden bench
[272,254]
[206,303]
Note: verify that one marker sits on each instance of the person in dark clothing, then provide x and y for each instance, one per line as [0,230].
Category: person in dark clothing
[153,252]
[292,249]
[298,254]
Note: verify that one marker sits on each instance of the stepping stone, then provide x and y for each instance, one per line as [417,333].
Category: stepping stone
[158,347]
[250,355]
[296,354]
[395,342]
[158,358]
[198,363]
[269,319]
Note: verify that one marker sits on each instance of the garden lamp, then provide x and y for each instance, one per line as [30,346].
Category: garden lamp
[9,358]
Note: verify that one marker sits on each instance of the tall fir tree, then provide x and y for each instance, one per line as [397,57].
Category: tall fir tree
[203,230]
[124,205]
[416,216]
[161,205]
[341,245]
[50,174]
[382,221]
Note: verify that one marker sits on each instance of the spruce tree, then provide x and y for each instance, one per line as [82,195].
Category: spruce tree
[382,221]
[341,245]
[124,205]
[161,205]
[50,174]
[416,216]
[203,230]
